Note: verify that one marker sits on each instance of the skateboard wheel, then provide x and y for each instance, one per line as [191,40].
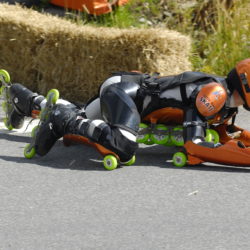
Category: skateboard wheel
[34,131]
[5,75]
[55,95]
[212,136]
[177,137]
[29,152]
[144,137]
[131,161]
[110,162]
[160,138]
[179,159]
[7,125]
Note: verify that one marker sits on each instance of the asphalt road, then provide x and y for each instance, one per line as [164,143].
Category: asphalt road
[66,200]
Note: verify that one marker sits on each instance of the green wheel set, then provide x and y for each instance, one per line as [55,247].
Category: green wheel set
[171,136]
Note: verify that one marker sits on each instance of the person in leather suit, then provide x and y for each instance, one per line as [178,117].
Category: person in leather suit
[112,118]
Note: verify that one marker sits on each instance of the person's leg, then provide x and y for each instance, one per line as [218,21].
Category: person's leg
[23,102]
[116,131]
[58,122]
[93,106]
[120,120]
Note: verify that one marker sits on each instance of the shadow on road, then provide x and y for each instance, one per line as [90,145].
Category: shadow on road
[81,157]
[10,136]
[162,157]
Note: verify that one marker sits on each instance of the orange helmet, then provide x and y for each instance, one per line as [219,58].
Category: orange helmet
[239,79]
[211,99]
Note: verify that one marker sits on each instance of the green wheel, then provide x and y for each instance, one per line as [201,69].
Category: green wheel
[1,90]
[4,106]
[7,125]
[177,136]
[179,159]
[5,75]
[131,161]
[208,137]
[33,131]
[160,138]
[55,95]
[149,142]
[41,114]
[144,137]
[169,143]
[29,152]
[212,136]
[110,162]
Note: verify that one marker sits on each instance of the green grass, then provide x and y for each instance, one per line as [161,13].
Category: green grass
[227,42]
[221,36]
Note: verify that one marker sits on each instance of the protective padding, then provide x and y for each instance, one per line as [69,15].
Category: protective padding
[119,109]
[231,153]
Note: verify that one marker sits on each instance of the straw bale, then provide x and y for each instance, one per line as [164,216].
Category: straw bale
[44,51]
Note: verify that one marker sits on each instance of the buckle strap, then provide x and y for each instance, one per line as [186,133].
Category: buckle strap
[194,124]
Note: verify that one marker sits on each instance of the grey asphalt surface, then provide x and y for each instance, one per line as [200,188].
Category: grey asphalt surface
[66,200]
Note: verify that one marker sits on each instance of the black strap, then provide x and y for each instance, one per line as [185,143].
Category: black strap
[234,116]
[184,94]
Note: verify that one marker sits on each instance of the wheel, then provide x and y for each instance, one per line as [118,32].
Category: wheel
[212,136]
[208,137]
[169,143]
[160,138]
[149,142]
[4,106]
[29,152]
[33,131]
[179,159]
[7,125]
[144,137]
[177,136]
[131,161]
[1,90]
[5,75]
[110,162]
[55,94]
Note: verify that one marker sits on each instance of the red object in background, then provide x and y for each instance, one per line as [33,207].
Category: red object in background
[93,7]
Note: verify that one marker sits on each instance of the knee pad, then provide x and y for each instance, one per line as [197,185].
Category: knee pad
[119,109]
[121,142]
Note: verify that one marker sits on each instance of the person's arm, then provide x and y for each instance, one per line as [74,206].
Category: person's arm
[195,129]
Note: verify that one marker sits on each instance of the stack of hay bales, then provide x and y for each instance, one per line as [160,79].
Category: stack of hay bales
[44,51]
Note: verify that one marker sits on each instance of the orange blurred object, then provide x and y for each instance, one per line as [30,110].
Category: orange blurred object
[93,7]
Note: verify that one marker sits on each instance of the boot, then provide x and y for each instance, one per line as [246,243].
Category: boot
[60,121]
[22,102]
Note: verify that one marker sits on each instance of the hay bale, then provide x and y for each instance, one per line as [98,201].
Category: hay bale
[44,51]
